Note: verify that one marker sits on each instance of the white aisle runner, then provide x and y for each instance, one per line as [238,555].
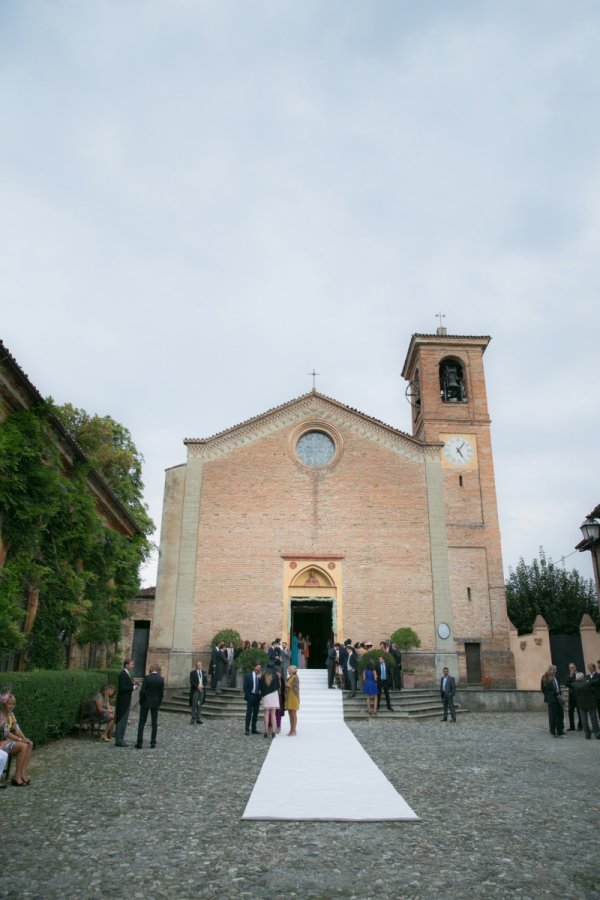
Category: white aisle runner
[323,772]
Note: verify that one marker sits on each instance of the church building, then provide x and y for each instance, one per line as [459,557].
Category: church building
[314,517]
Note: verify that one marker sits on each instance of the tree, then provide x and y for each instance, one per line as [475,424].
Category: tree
[110,449]
[542,588]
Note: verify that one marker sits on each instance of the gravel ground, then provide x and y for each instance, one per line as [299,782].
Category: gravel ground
[506,811]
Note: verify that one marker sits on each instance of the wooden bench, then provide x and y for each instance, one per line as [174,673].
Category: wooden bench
[89,718]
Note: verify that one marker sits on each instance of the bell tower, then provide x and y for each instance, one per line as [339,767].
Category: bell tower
[449,406]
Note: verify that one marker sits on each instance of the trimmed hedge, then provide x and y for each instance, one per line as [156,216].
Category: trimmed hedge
[48,701]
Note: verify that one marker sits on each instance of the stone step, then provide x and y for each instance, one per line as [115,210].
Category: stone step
[418,703]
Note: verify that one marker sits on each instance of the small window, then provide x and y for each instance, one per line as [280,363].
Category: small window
[469,598]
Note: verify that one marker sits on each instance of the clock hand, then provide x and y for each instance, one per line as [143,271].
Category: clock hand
[458,449]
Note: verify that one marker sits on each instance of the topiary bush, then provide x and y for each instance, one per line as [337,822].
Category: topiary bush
[48,701]
[406,639]
[228,635]
[250,657]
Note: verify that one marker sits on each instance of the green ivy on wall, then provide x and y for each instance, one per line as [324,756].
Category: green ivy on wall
[57,543]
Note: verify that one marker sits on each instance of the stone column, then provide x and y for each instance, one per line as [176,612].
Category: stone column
[445,649]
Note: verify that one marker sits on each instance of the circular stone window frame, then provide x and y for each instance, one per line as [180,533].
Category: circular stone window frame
[325,428]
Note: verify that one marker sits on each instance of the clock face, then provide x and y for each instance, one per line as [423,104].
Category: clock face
[459,450]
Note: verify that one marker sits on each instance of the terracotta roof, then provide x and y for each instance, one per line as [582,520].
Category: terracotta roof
[149,592]
[289,403]
[456,337]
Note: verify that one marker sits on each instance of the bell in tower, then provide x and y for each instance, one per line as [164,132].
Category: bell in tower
[452,383]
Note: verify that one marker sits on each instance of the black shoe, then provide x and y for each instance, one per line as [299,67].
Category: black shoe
[391,708]
[192,722]
[588,737]
[246,732]
[138,746]
[200,722]
[121,744]
[256,732]
[152,746]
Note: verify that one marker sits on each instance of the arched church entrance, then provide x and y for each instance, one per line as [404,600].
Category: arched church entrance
[313,617]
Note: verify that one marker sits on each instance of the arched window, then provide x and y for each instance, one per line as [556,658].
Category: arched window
[452,381]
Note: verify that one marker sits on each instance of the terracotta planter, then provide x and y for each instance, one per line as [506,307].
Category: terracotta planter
[408,680]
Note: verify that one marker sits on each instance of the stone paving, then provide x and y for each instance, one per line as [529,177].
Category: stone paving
[506,811]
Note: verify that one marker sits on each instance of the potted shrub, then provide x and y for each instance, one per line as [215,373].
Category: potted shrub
[406,639]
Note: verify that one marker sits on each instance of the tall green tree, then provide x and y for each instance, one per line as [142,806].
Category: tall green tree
[542,588]
[57,543]
[112,452]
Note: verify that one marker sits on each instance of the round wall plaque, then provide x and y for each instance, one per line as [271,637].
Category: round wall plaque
[443,631]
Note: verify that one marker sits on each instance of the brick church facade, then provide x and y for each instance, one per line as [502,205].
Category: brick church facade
[315,517]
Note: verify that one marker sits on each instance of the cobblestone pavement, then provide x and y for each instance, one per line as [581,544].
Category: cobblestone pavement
[506,811]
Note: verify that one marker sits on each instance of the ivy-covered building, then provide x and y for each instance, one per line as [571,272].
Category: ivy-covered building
[69,548]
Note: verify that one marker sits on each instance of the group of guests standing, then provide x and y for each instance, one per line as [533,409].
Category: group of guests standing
[377,678]
[276,689]
[116,718]
[584,700]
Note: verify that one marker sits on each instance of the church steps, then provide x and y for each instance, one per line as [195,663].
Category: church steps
[419,703]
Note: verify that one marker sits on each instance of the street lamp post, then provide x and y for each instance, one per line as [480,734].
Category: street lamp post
[590,530]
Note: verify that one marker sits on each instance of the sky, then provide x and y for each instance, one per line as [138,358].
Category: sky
[200,202]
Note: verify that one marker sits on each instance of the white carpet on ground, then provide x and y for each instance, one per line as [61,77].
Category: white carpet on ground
[323,772]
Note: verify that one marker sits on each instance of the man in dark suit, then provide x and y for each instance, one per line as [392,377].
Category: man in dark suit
[593,677]
[123,704]
[397,673]
[332,658]
[586,705]
[151,696]
[550,687]
[383,682]
[352,669]
[252,697]
[219,664]
[570,683]
[447,692]
[274,651]
[343,659]
[197,692]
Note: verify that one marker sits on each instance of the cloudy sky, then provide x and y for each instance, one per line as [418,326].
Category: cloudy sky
[202,201]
